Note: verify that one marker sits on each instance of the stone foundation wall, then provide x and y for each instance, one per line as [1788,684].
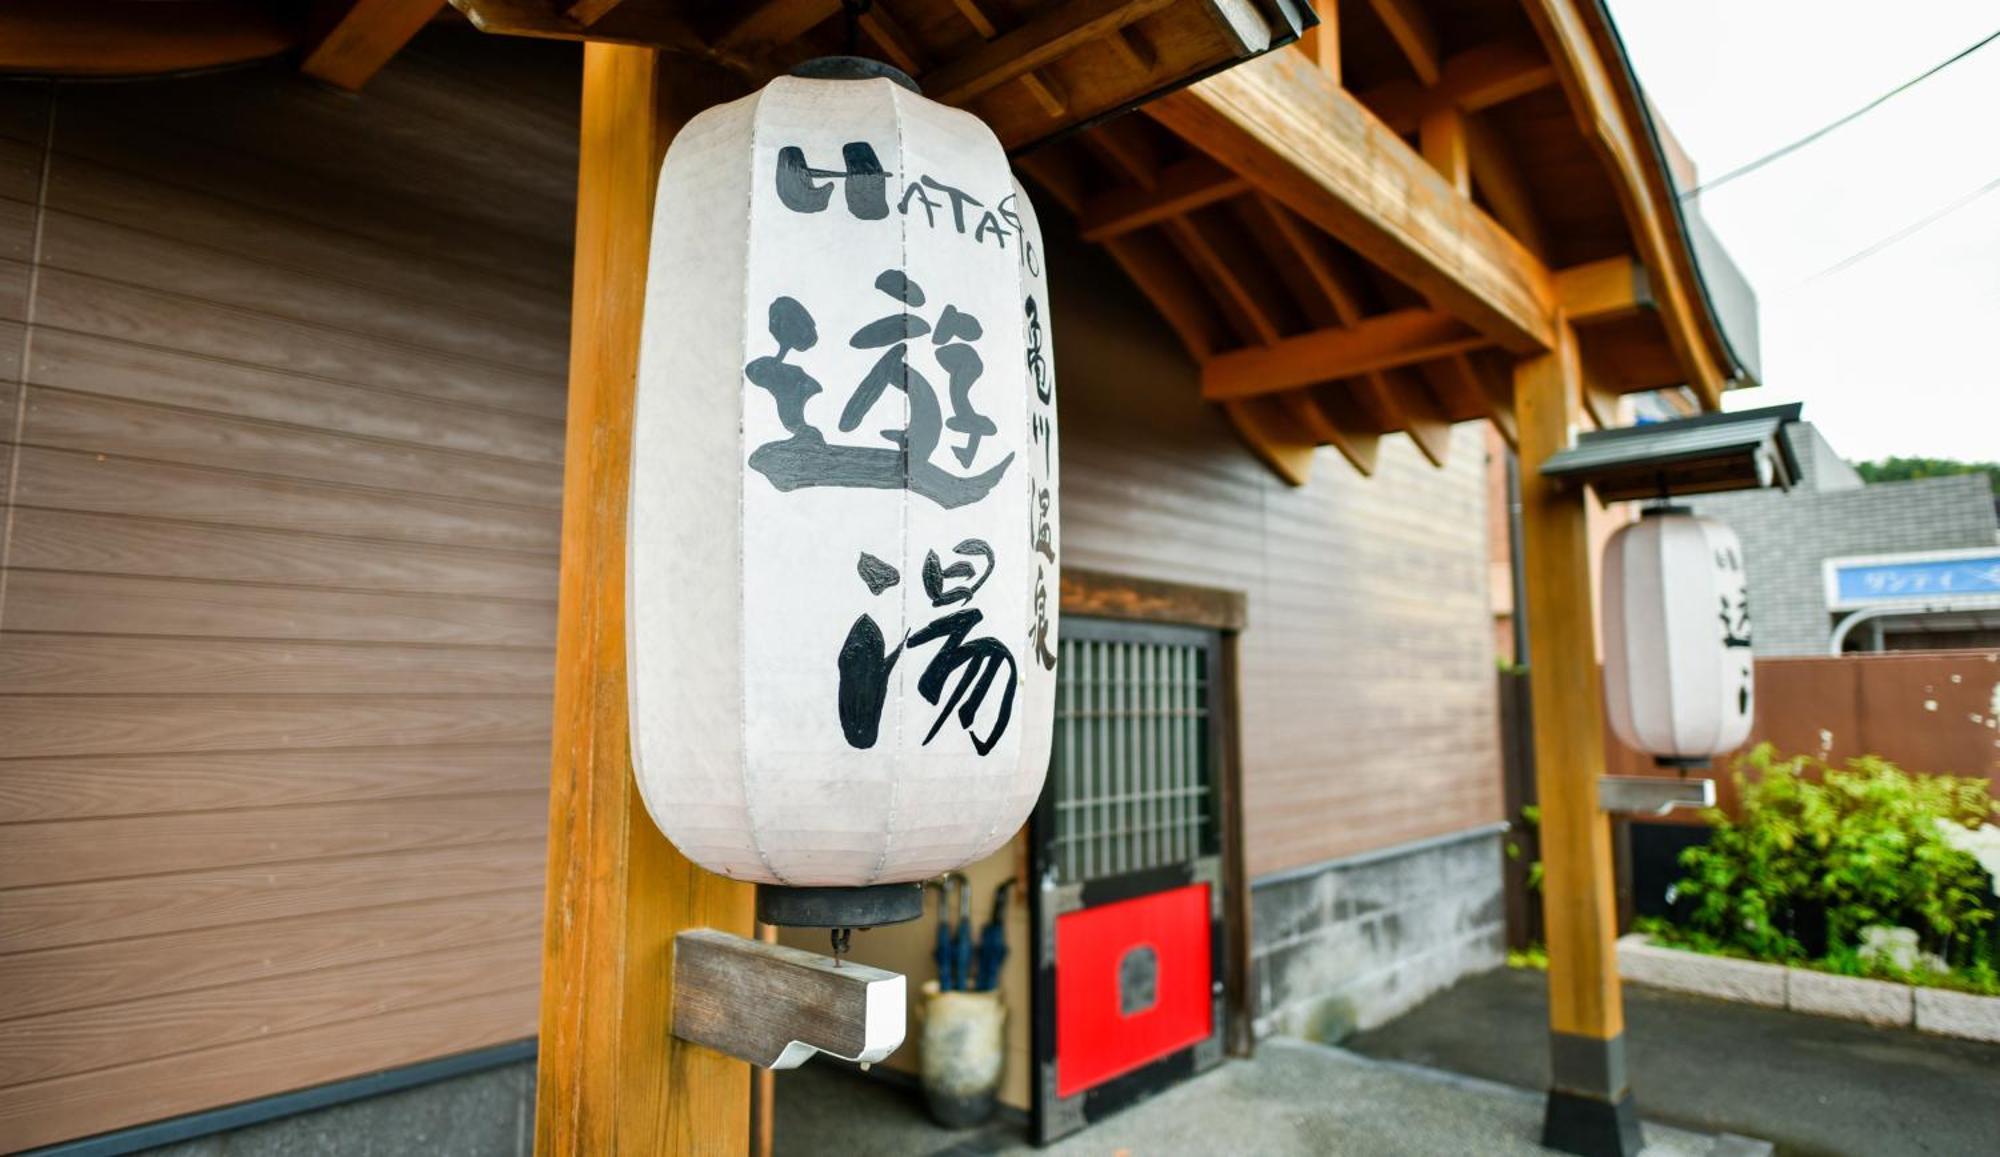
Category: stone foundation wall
[1351,943]
[482,1114]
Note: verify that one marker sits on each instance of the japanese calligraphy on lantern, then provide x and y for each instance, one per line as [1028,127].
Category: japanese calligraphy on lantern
[845,525]
[1679,681]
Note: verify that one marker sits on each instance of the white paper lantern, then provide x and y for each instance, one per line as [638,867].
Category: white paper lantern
[843,547]
[1678,679]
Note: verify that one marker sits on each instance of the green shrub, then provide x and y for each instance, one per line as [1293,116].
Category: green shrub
[1814,860]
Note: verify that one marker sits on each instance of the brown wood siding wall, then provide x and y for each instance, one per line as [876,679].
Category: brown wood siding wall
[1368,701]
[281,377]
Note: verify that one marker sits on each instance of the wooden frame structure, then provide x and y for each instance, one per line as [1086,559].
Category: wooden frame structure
[1429,212]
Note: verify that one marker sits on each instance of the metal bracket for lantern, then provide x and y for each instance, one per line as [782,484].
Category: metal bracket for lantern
[1652,795]
[775,1006]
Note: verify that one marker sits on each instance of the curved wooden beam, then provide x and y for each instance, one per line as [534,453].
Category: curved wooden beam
[1599,86]
[107,38]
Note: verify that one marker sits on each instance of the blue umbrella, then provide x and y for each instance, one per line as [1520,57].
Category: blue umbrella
[993,941]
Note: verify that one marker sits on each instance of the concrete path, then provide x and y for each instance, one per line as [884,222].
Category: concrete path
[1809,1084]
[1293,1100]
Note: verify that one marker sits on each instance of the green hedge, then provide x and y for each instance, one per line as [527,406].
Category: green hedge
[1814,859]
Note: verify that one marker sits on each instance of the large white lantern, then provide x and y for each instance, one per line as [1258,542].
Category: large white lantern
[1678,680]
[843,543]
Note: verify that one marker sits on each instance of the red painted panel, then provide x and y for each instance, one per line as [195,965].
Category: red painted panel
[1105,1029]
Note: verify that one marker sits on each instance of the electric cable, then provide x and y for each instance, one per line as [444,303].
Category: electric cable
[1816,134]
[1903,234]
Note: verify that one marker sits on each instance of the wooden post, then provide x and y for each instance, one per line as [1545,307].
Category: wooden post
[1590,1108]
[613,1079]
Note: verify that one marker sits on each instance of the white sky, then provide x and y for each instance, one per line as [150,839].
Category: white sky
[1899,353]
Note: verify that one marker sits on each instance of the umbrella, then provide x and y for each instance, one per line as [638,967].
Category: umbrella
[993,941]
[942,952]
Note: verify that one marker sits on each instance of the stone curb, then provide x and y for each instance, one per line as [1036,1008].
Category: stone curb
[1850,997]
[1933,1010]
[1743,981]
[1960,1014]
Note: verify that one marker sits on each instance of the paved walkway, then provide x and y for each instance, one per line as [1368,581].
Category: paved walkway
[1292,1099]
[1811,1085]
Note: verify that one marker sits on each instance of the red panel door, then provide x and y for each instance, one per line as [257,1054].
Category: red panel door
[1132,985]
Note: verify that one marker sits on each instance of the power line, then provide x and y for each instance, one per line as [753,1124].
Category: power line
[1905,232]
[1865,109]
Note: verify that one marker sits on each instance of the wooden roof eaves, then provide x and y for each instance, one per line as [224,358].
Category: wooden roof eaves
[1597,78]
[1312,146]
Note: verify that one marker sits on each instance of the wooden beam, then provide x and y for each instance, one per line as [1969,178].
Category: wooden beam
[1499,181]
[1278,241]
[1441,136]
[1169,284]
[1475,79]
[1386,341]
[1586,1011]
[1281,123]
[764,24]
[1179,189]
[1123,143]
[1377,388]
[1041,41]
[1600,395]
[1411,29]
[588,12]
[611,1077]
[1405,402]
[1040,87]
[115,38]
[896,44]
[1330,416]
[1321,44]
[1496,390]
[1245,299]
[1607,109]
[363,38]
[1265,427]
[1602,290]
[1146,258]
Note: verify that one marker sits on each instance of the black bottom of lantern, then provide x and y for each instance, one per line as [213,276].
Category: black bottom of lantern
[1683,762]
[868,907]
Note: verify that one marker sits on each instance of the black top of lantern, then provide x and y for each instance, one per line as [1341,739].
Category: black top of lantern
[853,68]
[1743,450]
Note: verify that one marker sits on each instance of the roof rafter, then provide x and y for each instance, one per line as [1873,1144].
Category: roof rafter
[1178,189]
[1042,40]
[1332,416]
[1475,79]
[1411,29]
[363,38]
[1312,147]
[1382,342]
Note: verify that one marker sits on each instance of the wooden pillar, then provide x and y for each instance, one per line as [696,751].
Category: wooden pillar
[1590,1107]
[612,1078]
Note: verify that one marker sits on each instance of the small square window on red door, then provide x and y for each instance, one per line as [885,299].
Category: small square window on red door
[1132,985]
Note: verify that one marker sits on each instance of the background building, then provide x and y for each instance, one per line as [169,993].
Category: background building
[286,374]
[1788,537]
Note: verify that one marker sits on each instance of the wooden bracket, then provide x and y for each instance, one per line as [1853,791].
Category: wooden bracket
[776,1006]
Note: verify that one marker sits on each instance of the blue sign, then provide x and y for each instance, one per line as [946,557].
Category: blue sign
[1916,578]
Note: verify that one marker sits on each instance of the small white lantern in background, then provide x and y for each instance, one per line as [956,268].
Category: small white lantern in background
[843,548]
[1678,679]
